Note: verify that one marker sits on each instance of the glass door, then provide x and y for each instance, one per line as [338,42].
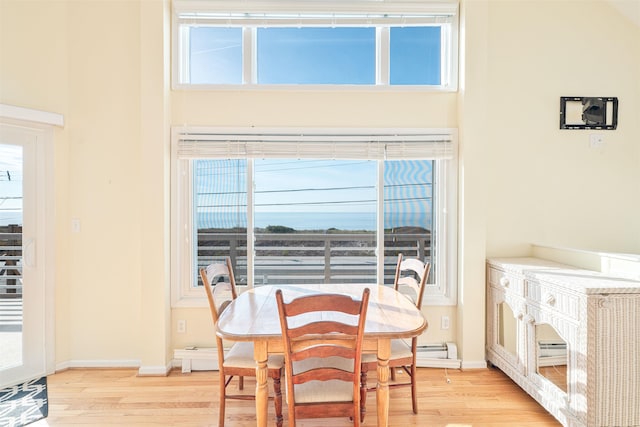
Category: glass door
[22,290]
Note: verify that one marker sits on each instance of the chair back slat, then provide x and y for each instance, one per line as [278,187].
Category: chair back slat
[320,302]
[336,349]
[323,374]
[323,327]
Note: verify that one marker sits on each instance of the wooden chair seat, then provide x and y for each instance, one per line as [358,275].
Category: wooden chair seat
[332,391]
[240,355]
[400,350]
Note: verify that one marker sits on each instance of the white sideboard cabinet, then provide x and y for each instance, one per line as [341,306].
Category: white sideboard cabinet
[569,337]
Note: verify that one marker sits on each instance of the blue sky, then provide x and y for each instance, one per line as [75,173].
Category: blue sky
[341,55]
[304,185]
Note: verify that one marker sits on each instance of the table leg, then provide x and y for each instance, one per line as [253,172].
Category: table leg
[382,391]
[262,387]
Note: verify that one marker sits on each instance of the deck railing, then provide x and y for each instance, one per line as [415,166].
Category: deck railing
[10,261]
[279,257]
[312,257]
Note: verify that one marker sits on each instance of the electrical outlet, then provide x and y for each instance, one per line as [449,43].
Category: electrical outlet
[182,326]
[444,322]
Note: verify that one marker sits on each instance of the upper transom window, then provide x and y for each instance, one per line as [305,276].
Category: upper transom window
[363,44]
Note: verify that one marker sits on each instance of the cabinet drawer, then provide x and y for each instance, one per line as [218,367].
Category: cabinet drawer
[552,298]
[507,281]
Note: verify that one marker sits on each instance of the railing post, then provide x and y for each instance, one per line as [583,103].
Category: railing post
[327,260]
[233,251]
[421,249]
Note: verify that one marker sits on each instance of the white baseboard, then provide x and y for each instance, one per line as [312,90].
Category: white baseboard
[154,371]
[97,364]
[107,364]
[426,362]
[474,364]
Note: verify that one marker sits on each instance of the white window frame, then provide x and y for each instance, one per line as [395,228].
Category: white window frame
[190,143]
[251,14]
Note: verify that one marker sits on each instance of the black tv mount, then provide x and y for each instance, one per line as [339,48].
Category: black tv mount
[596,112]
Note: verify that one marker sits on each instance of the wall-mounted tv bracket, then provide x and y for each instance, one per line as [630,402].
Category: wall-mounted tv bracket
[588,112]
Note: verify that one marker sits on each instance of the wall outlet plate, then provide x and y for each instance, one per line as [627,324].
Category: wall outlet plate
[596,140]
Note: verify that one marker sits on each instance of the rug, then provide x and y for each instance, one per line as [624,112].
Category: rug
[24,403]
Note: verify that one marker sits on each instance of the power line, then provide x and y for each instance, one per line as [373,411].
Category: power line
[295,190]
[362,187]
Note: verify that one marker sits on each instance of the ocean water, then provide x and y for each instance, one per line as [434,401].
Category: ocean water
[350,221]
[318,221]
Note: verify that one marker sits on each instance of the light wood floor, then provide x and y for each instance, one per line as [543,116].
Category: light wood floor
[91,397]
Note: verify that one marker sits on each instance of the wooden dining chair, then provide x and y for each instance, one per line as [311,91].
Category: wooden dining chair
[410,279]
[239,360]
[323,372]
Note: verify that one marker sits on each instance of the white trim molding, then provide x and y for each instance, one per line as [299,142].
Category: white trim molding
[30,115]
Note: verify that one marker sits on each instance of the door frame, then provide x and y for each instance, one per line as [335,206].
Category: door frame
[41,125]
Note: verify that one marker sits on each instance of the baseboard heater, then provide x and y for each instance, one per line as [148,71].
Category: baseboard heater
[443,355]
[440,355]
[196,359]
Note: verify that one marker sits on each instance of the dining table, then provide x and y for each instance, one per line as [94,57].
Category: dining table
[253,317]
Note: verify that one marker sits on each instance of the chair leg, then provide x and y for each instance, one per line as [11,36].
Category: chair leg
[277,400]
[356,418]
[363,394]
[414,394]
[223,398]
[241,383]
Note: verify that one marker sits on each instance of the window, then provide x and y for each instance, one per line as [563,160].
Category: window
[215,55]
[302,205]
[371,45]
[415,56]
[311,55]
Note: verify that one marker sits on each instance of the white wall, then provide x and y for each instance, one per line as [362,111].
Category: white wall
[547,185]
[90,61]
[103,125]
[522,180]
